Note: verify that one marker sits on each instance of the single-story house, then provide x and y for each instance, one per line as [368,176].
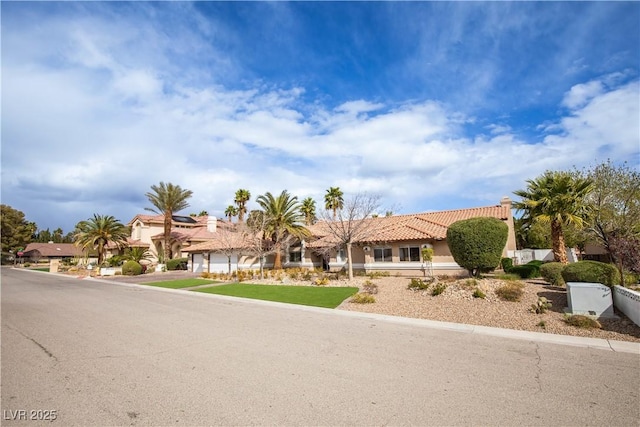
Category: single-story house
[392,244]
[35,252]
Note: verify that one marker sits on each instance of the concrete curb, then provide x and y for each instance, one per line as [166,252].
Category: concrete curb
[595,343]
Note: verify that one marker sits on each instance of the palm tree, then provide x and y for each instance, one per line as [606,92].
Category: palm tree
[283,219]
[137,254]
[242,197]
[308,209]
[230,212]
[333,200]
[556,198]
[97,232]
[167,199]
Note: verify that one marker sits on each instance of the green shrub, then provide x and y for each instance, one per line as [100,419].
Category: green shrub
[362,298]
[131,268]
[591,272]
[536,262]
[114,261]
[469,284]
[511,291]
[477,243]
[370,287]
[581,321]
[177,264]
[479,294]
[506,264]
[526,271]
[418,284]
[438,289]
[552,273]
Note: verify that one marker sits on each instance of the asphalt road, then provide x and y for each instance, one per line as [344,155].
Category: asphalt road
[99,353]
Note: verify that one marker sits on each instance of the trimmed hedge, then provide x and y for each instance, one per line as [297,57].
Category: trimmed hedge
[526,271]
[477,243]
[506,264]
[131,268]
[177,264]
[591,272]
[552,273]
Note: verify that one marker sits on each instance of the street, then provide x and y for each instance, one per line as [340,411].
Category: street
[86,352]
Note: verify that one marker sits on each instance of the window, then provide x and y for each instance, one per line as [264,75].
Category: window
[411,253]
[295,256]
[340,255]
[382,254]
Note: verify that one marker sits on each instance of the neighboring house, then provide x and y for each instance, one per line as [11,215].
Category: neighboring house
[147,231]
[35,252]
[393,245]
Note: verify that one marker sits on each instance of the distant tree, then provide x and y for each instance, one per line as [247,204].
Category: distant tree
[558,199]
[97,232]
[203,213]
[168,199]
[348,224]
[308,209]
[16,230]
[282,221]
[254,232]
[241,199]
[333,200]
[477,243]
[230,212]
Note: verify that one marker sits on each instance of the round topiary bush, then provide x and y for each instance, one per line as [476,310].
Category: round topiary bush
[591,272]
[177,264]
[477,243]
[552,273]
[131,268]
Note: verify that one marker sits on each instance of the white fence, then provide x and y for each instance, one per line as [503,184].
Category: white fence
[524,256]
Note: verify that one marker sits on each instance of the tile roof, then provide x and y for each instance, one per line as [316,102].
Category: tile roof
[421,226]
[53,249]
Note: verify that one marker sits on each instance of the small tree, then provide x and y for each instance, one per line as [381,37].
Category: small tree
[477,243]
[349,223]
[254,232]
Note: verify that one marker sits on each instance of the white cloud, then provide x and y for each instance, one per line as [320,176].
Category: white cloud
[580,94]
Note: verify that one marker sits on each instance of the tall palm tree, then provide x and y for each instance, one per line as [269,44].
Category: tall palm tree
[333,200]
[168,199]
[241,199]
[308,209]
[283,219]
[230,212]
[97,232]
[556,198]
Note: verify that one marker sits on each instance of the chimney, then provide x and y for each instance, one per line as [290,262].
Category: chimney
[212,223]
[506,202]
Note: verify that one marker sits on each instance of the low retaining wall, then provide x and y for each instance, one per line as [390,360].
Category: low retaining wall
[628,302]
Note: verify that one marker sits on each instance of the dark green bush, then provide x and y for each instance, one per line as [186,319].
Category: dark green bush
[177,264]
[506,264]
[591,272]
[535,262]
[526,271]
[552,273]
[131,268]
[477,243]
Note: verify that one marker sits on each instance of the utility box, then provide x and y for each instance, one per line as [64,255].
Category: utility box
[592,299]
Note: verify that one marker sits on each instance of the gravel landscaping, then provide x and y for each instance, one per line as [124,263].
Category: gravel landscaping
[457,304]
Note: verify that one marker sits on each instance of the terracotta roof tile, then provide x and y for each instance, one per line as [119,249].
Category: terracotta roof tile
[53,249]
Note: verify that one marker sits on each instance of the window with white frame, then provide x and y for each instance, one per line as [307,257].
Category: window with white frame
[382,254]
[340,255]
[410,253]
[295,256]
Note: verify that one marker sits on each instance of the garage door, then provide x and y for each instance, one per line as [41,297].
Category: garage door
[218,263]
[198,263]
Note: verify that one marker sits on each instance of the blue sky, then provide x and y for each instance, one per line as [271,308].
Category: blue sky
[431,105]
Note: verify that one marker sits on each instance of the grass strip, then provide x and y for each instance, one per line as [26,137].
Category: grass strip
[302,295]
[179,284]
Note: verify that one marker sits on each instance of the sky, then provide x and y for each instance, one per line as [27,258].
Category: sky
[430,105]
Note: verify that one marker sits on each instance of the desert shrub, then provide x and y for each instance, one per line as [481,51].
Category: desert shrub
[552,273]
[511,291]
[369,287]
[469,284]
[581,321]
[438,288]
[114,261]
[477,293]
[177,264]
[509,277]
[377,274]
[150,269]
[131,268]
[506,264]
[362,298]
[321,281]
[526,271]
[591,272]
[205,275]
[307,275]
[541,306]
[477,243]
[417,284]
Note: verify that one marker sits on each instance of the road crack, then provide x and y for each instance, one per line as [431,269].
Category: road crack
[42,347]
[538,368]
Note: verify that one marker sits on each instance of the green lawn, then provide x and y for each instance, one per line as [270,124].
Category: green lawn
[179,284]
[303,295]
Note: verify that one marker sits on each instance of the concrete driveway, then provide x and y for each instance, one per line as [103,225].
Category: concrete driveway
[99,353]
